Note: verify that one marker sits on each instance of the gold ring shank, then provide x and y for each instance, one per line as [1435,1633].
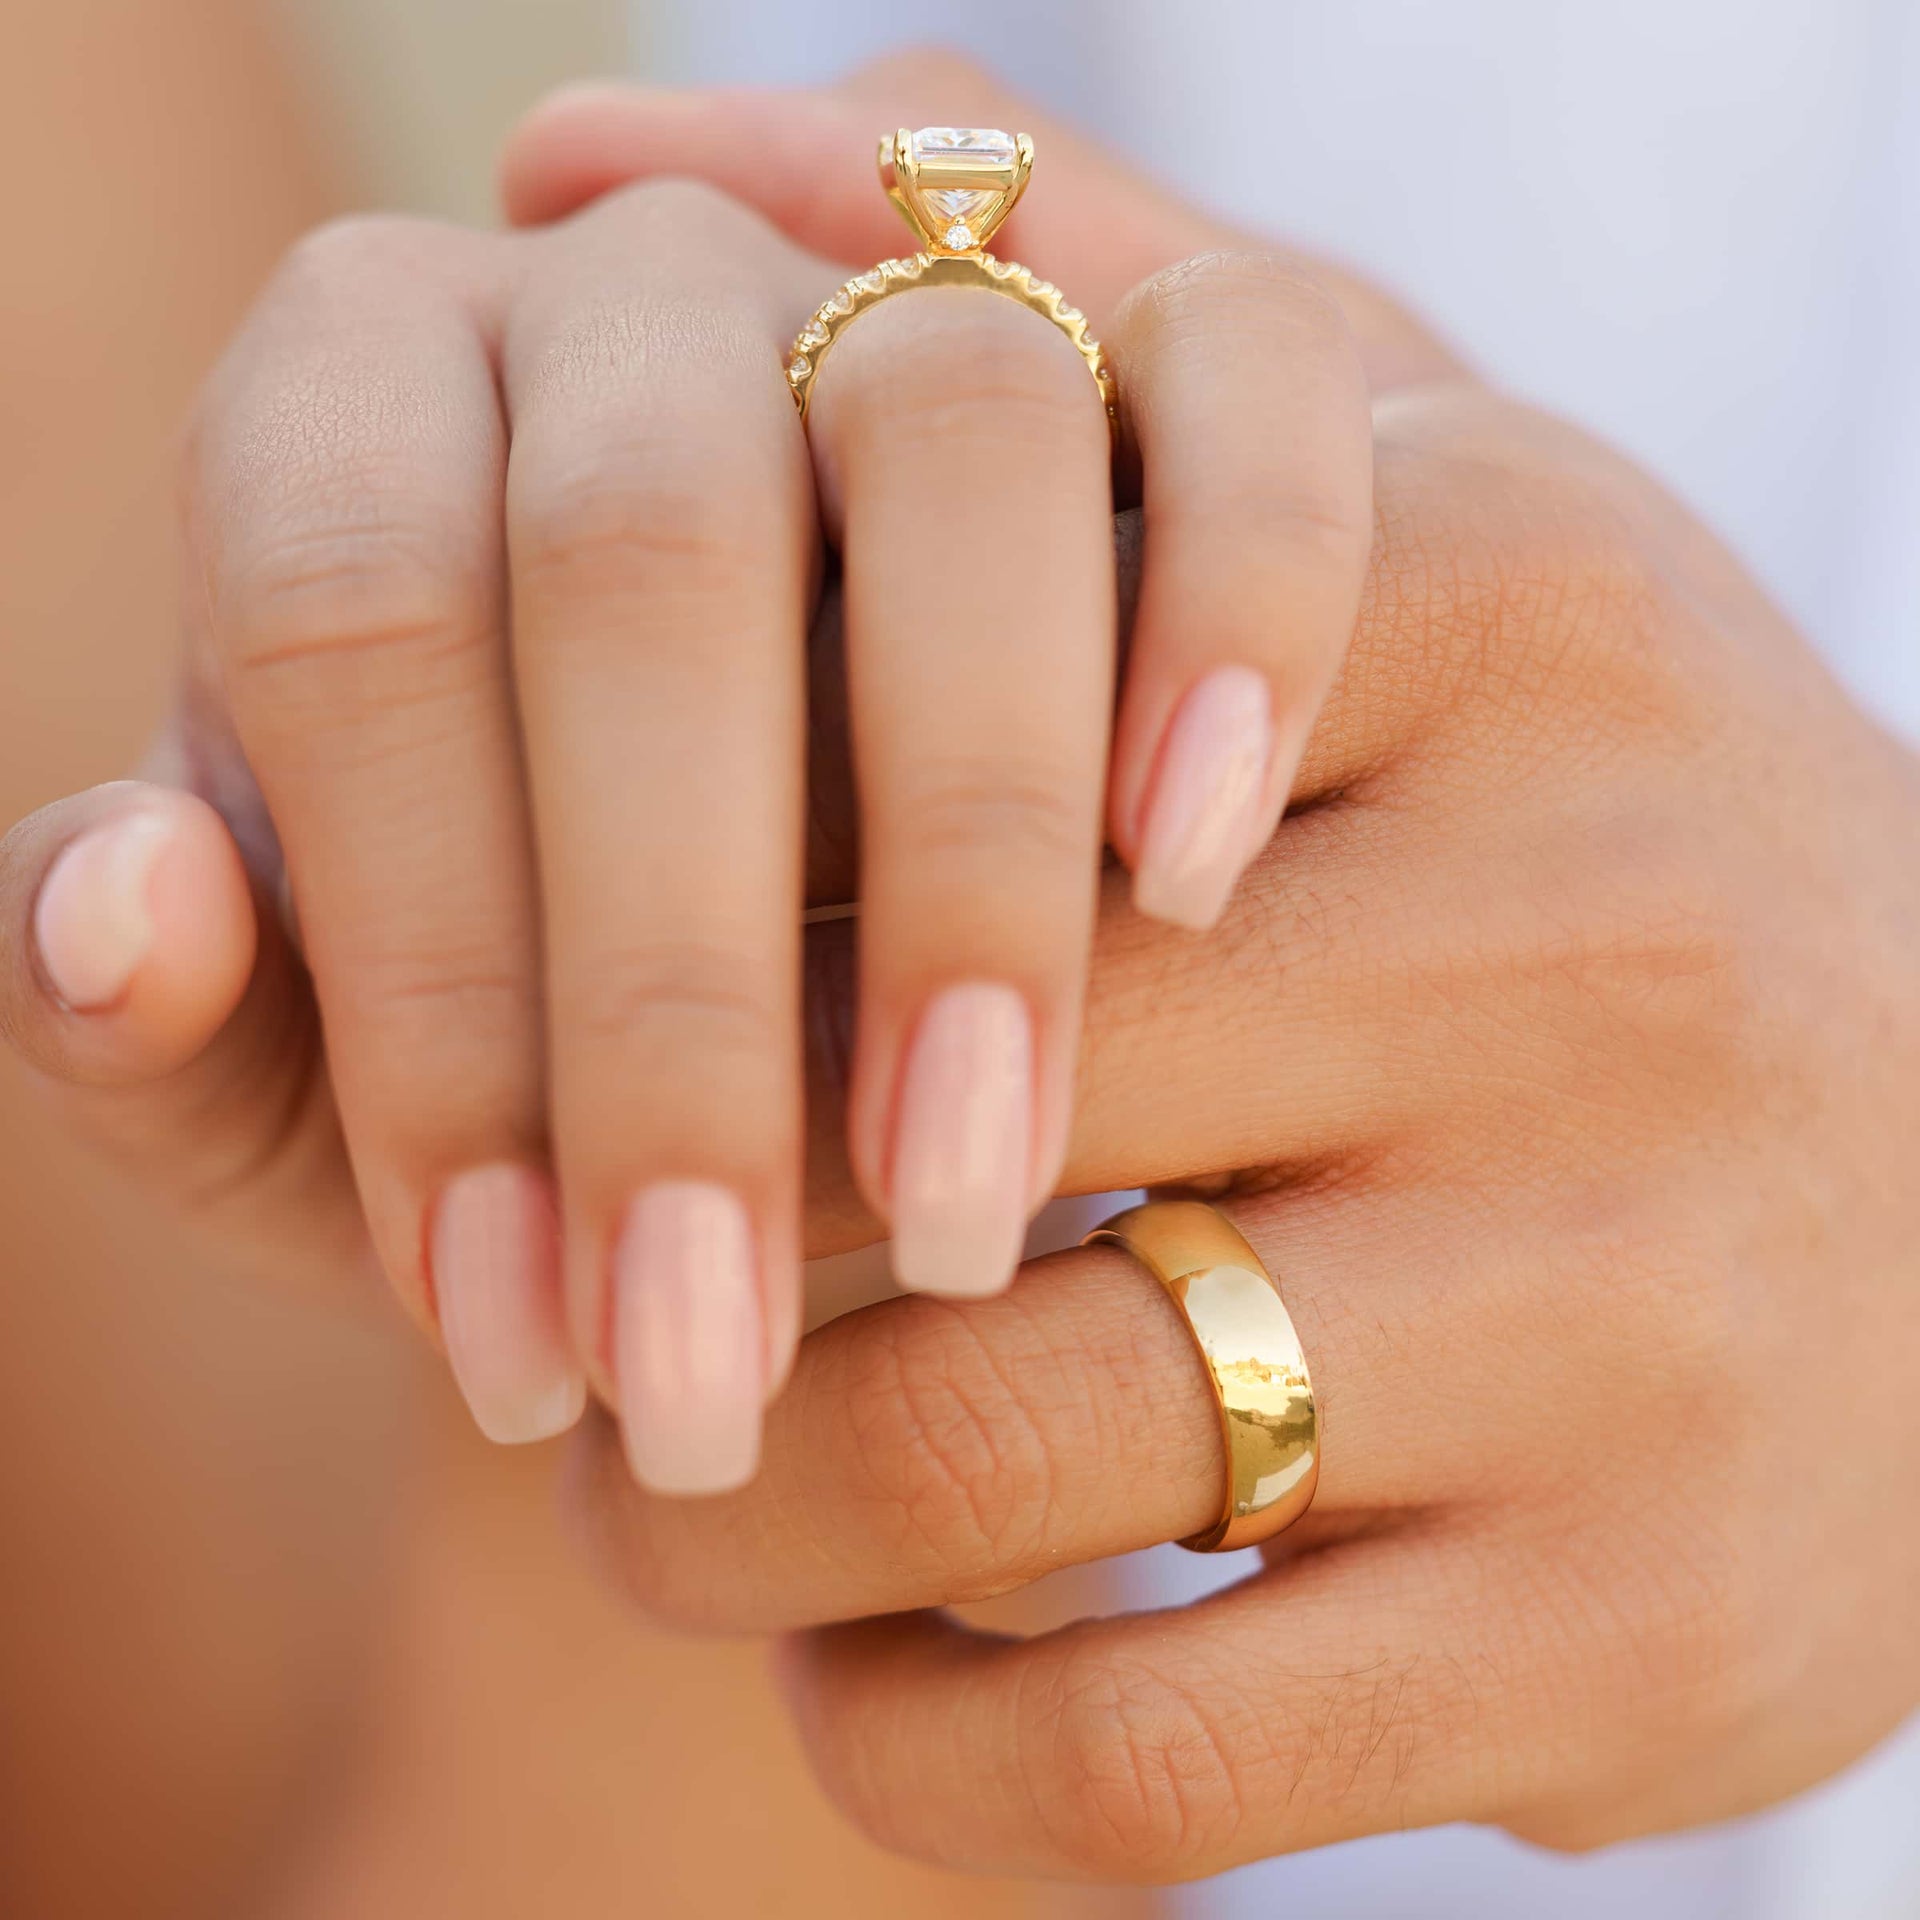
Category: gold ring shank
[1245,1336]
[979,270]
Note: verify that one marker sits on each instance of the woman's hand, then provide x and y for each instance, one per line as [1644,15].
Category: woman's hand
[503,550]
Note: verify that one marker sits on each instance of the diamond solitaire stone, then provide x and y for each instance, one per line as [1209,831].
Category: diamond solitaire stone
[966,146]
[949,150]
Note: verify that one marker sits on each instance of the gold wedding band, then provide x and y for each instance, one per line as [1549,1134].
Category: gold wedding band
[1245,1335]
[954,186]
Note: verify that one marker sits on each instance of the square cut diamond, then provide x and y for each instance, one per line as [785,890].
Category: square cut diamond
[964,146]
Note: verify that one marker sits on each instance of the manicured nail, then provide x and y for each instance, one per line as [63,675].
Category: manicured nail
[1209,792]
[91,922]
[689,1339]
[963,1144]
[496,1281]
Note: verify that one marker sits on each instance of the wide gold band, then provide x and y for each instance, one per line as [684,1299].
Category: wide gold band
[982,270]
[1245,1335]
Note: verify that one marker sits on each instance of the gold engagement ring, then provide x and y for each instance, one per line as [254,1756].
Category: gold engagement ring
[954,186]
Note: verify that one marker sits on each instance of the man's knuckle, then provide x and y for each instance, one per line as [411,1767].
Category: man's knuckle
[1656,962]
[963,1474]
[1141,1784]
[1673,1628]
[1527,592]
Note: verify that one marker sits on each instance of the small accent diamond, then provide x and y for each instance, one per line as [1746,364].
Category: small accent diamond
[814,335]
[958,237]
[799,367]
[870,282]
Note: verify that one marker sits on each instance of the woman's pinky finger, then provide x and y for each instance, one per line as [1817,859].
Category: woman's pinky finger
[1248,405]
[1312,1703]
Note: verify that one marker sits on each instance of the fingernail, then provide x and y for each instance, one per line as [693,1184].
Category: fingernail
[689,1339]
[91,922]
[496,1282]
[963,1144]
[1208,794]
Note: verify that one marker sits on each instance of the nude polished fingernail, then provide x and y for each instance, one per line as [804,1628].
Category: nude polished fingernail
[1208,794]
[689,1339]
[91,923]
[958,1195]
[496,1279]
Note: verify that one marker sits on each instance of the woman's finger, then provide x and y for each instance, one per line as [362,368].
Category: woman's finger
[1377,1685]
[662,533]
[806,161]
[130,934]
[152,988]
[345,519]
[1248,409]
[963,458]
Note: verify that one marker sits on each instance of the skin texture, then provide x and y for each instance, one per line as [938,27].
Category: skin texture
[1562,1055]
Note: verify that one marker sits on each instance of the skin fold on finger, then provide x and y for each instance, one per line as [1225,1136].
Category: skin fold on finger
[1092,224]
[1248,409]
[979,701]
[344,523]
[662,533]
[1385,1684]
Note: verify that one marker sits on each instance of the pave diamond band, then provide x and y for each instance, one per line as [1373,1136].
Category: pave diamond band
[954,186]
[868,289]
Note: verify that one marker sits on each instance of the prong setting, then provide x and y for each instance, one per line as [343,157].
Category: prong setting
[953,187]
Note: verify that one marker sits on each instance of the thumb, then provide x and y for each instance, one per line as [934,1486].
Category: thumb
[154,993]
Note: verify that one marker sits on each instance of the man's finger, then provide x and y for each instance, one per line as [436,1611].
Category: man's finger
[1369,1688]
[938,1451]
